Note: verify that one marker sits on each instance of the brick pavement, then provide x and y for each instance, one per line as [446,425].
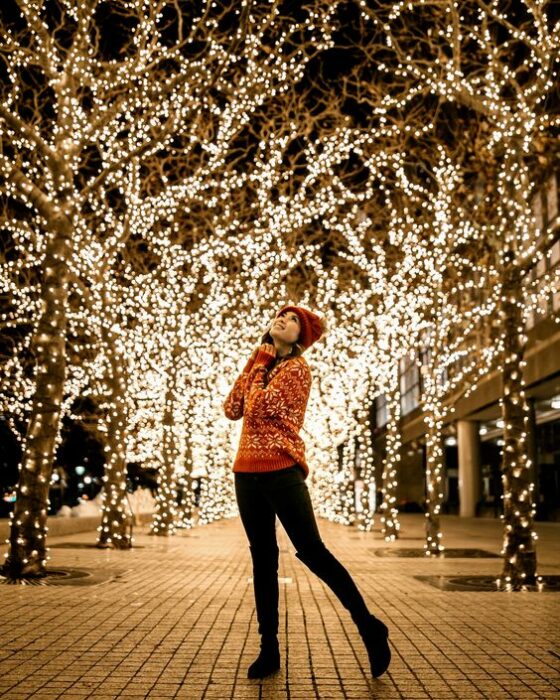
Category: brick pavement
[178,622]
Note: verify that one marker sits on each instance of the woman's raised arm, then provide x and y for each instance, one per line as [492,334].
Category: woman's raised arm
[234,403]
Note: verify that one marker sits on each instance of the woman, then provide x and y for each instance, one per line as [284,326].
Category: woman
[270,470]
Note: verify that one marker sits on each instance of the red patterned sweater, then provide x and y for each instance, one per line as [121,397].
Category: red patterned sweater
[272,405]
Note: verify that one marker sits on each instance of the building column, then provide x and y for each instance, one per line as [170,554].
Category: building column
[468,443]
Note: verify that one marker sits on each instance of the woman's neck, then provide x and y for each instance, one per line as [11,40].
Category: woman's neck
[282,349]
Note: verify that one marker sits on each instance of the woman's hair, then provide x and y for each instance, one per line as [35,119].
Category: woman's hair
[296,350]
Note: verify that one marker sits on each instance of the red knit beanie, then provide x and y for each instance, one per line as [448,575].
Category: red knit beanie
[312,326]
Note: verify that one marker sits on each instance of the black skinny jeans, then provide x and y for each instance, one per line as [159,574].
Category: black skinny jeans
[283,493]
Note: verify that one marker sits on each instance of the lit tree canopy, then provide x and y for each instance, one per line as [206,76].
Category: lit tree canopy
[172,173]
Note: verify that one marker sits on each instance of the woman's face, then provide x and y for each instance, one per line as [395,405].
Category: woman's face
[286,327]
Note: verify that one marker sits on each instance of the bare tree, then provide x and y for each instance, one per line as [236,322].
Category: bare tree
[80,116]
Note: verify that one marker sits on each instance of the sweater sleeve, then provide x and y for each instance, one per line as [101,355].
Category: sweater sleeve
[233,405]
[285,397]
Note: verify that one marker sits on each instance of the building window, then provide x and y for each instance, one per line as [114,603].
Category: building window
[409,383]
[381,414]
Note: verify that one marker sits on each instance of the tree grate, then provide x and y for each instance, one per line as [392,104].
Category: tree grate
[488,584]
[67,577]
[88,545]
[403,538]
[450,553]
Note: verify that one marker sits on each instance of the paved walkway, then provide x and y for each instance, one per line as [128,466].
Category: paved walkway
[176,620]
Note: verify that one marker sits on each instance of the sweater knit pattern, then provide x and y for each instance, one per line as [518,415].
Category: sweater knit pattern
[272,405]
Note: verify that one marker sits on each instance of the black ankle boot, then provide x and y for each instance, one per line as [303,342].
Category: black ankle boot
[268,661]
[375,633]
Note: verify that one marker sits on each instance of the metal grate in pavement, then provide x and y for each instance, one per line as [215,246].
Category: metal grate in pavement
[404,552]
[68,577]
[550,584]
[85,545]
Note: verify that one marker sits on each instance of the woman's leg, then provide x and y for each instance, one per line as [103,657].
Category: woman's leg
[293,506]
[259,520]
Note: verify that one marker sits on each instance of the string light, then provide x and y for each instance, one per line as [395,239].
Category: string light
[184,194]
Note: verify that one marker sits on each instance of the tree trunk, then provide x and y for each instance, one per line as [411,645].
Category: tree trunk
[163,523]
[434,481]
[520,558]
[389,513]
[367,469]
[115,530]
[186,481]
[27,550]
[346,499]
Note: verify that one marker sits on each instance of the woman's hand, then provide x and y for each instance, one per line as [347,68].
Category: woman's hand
[250,361]
[266,354]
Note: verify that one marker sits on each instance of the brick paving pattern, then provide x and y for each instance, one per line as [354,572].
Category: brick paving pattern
[178,622]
